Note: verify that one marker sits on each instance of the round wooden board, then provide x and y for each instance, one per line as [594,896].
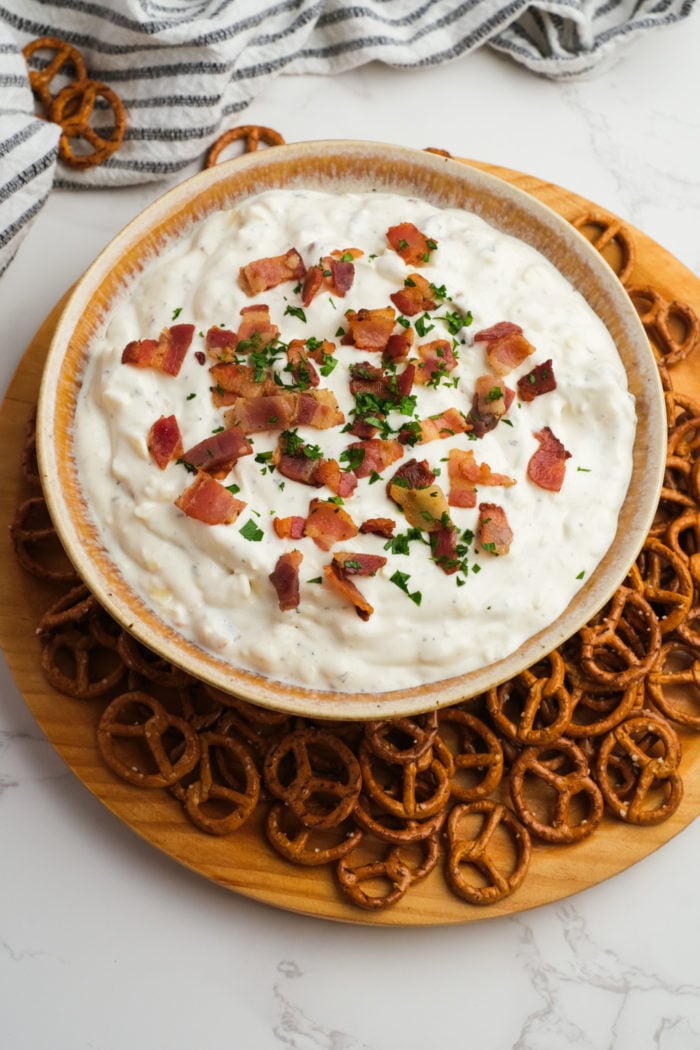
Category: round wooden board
[243,862]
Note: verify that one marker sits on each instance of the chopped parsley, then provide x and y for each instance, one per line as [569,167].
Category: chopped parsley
[176,312]
[423,325]
[401,580]
[295,311]
[352,457]
[250,531]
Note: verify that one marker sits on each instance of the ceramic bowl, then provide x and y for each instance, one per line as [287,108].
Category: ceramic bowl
[339,166]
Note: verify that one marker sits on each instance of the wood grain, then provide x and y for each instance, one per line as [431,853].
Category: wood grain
[243,862]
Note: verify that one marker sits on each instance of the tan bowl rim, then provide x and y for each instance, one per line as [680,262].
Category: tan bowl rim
[337,163]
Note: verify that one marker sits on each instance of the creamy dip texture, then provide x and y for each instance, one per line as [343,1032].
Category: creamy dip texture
[211,582]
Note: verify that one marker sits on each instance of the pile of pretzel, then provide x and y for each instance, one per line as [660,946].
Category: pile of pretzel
[592,732]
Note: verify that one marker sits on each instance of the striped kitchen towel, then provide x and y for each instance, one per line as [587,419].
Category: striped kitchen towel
[185,68]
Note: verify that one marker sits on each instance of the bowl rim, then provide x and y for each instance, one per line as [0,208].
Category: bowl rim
[440,179]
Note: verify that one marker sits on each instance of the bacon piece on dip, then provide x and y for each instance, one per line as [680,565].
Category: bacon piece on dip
[373,455]
[165,354]
[506,346]
[290,528]
[443,544]
[447,424]
[285,579]
[314,408]
[491,401]
[547,465]
[493,532]
[356,563]
[164,441]
[260,274]
[437,359]
[328,523]
[220,343]
[415,297]
[210,502]
[256,330]
[370,329]
[338,578]
[296,460]
[538,381]
[233,380]
[217,454]
[412,245]
[465,474]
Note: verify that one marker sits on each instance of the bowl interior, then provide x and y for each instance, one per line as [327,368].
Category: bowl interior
[340,167]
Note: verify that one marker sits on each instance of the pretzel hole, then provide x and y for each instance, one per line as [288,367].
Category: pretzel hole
[678,326]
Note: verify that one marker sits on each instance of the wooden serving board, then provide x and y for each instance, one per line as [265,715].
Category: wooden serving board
[243,862]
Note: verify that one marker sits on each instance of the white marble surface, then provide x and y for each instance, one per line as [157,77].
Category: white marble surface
[107,945]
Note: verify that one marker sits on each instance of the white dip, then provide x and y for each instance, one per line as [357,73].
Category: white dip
[211,582]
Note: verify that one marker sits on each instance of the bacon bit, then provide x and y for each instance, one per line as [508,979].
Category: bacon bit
[359,564]
[437,358]
[342,276]
[221,343]
[285,579]
[539,381]
[299,366]
[493,532]
[377,455]
[164,441]
[489,404]
[342,253]
[386,386]
[507,353]
[359,428]
[338,481]
[233,380]
[165,354]
[413,474]
[313,408]
[412,245]
[261,274]
[497,331]
[291,528]
[379,527]
[370,329]
[547,465]
[399,345]
[448,423]
[465,474]
[328,523]
[336,273]
[338,579]
[415,297]
[298,466]
[217,454]
[443,544]
[210,502]
[256,329]
[313,279]
[319,353]
[506,346]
